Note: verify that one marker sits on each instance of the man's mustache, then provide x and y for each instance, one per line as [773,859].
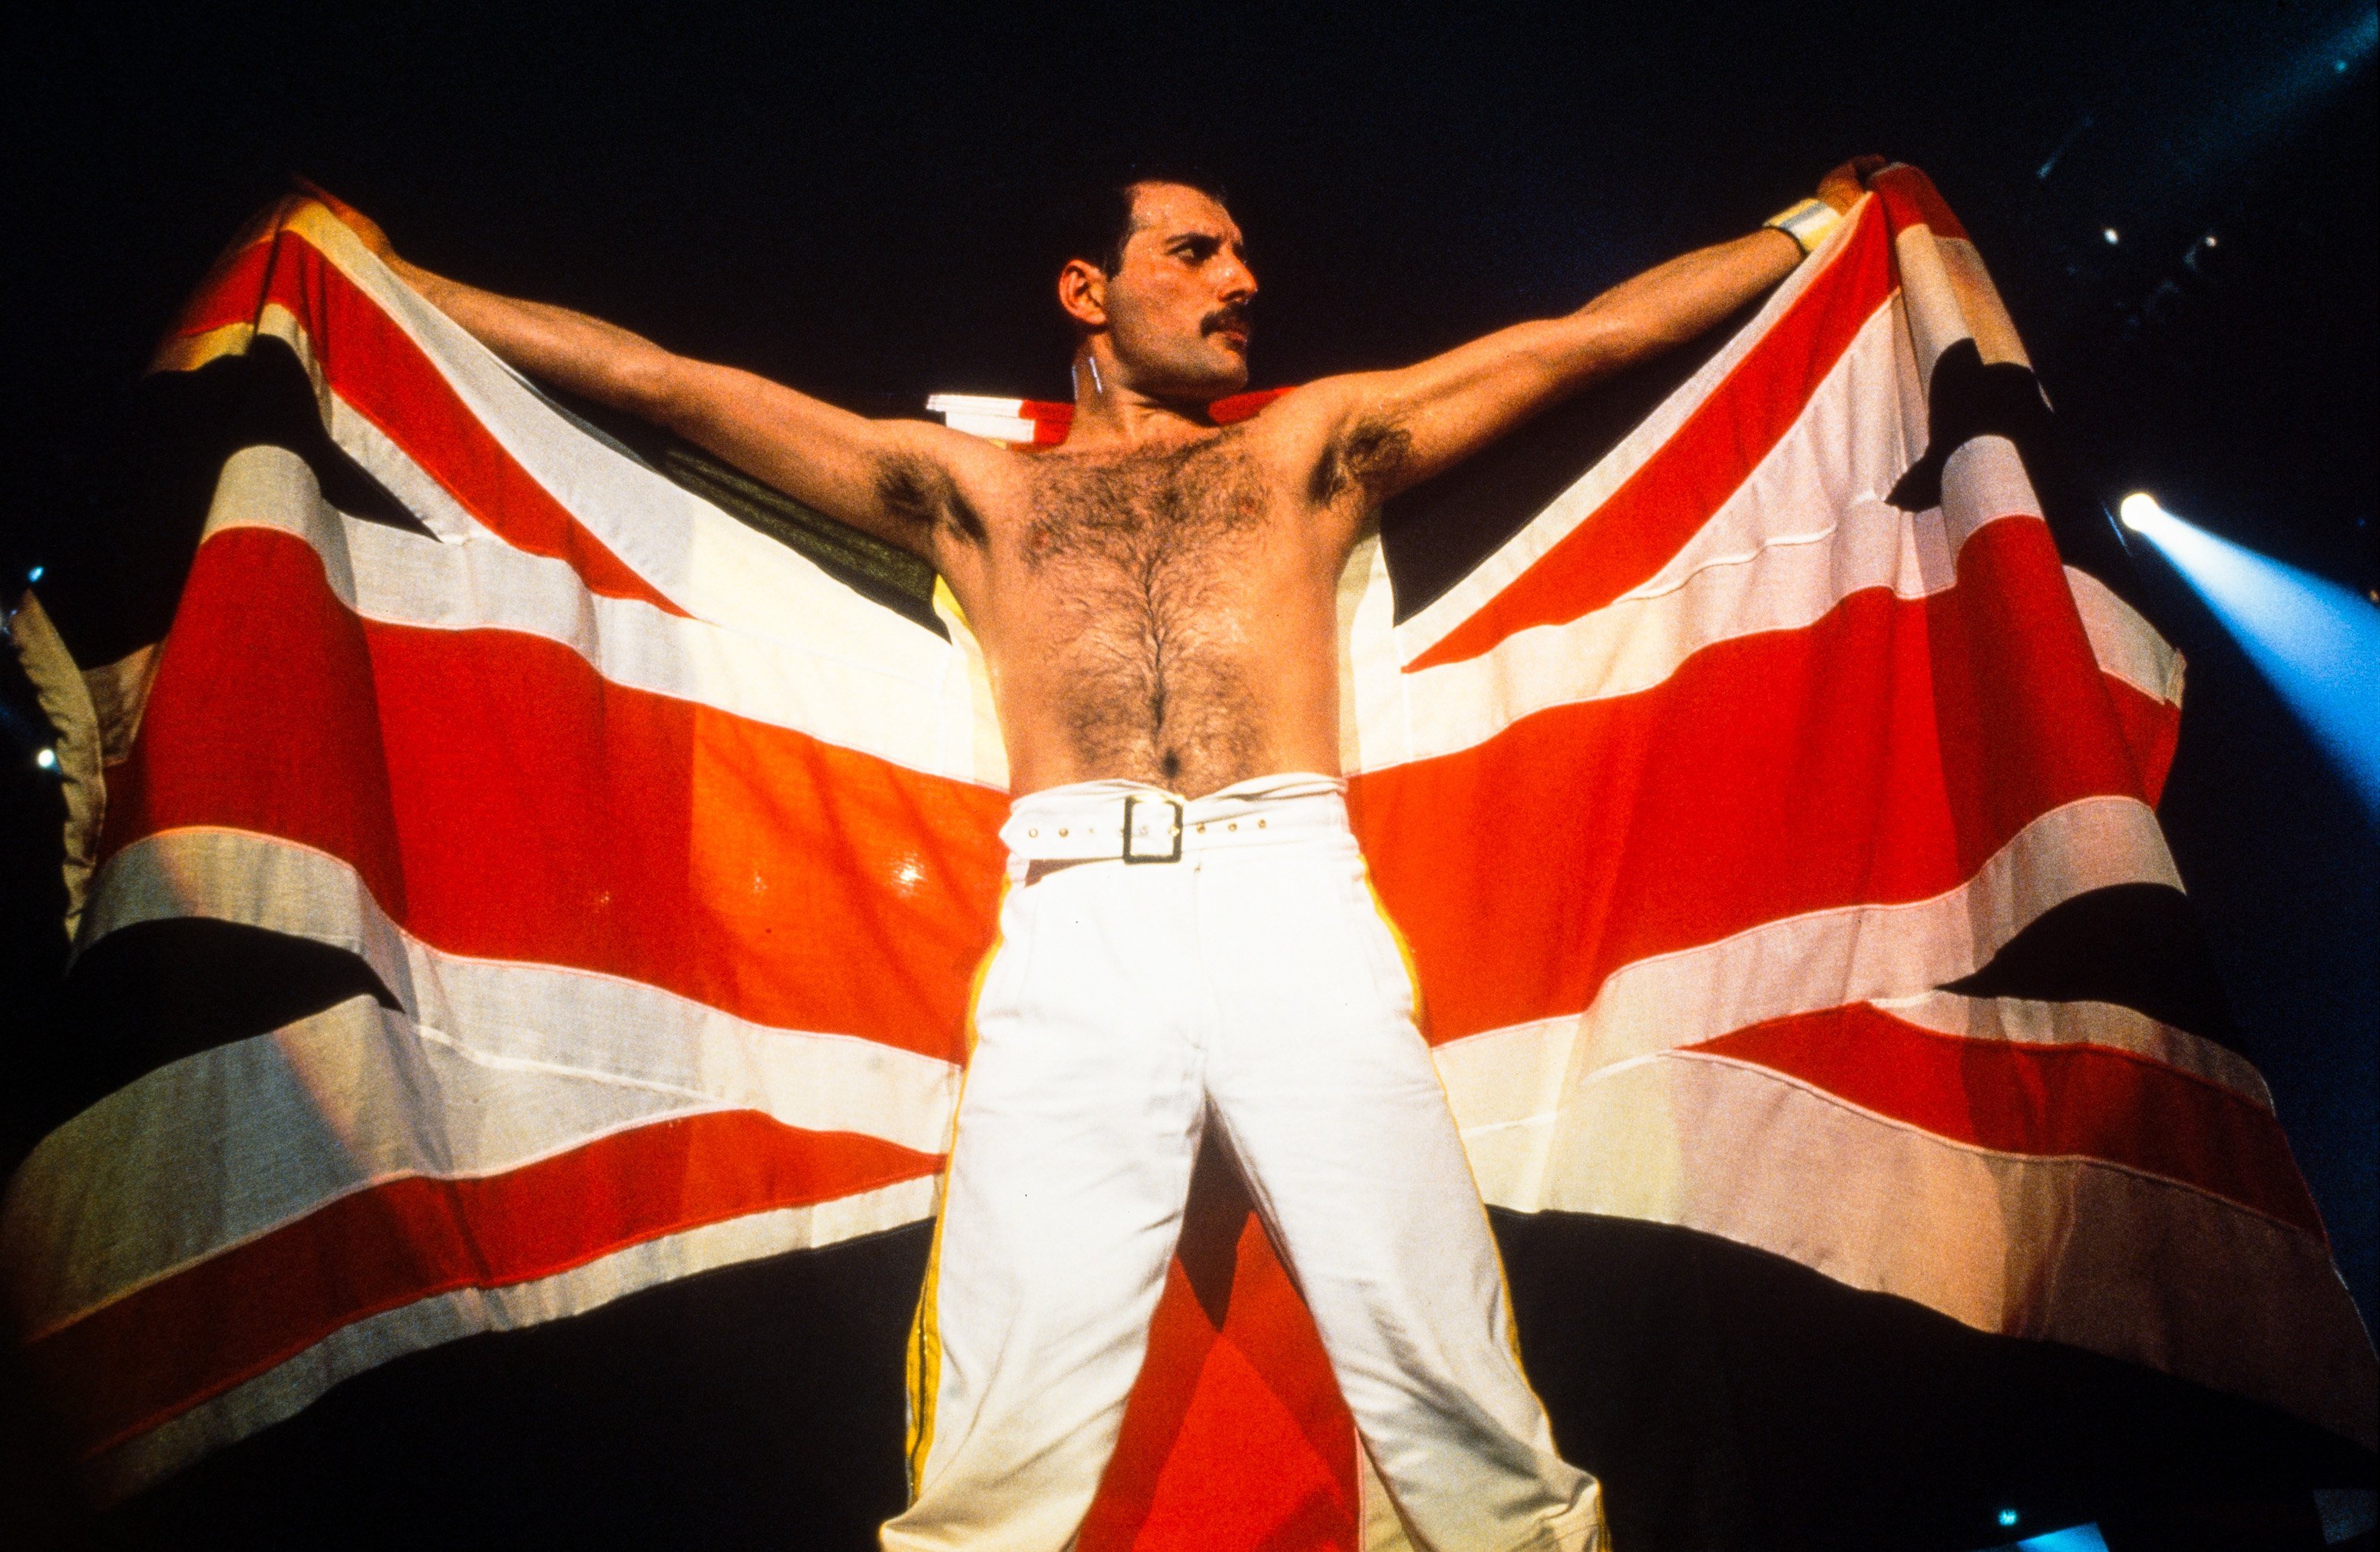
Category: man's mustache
[1234,318]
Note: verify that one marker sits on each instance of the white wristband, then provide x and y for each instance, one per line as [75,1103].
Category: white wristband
[1806,223]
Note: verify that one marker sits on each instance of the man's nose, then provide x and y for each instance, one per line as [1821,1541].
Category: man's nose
[1239,283]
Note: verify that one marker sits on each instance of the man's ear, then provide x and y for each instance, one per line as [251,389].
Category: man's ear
[1083,292]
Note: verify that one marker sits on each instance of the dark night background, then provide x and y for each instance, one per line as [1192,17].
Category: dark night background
[852,200]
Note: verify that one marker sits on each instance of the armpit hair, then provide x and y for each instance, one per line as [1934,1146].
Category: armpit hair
[917,490]
[1374,456]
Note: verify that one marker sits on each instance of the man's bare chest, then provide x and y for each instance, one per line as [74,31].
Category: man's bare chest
[1138,521]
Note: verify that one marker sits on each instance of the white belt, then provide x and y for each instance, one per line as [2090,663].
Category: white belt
[1137,827]
[1120,821]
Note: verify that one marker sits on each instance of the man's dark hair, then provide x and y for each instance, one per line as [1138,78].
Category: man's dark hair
[1096,219]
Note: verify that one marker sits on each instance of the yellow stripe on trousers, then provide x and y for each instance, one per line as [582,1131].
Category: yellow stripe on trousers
[924,1360]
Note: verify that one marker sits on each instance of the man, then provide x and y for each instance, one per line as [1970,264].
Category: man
[1189,935]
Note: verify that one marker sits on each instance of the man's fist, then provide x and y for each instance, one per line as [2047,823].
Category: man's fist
[1843,186]
[362,225]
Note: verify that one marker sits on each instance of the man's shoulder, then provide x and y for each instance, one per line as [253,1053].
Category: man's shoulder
[1333,436]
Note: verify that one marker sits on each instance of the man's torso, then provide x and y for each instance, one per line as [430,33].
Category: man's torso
[1166,615]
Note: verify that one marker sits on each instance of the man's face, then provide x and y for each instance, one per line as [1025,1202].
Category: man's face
[1177,310]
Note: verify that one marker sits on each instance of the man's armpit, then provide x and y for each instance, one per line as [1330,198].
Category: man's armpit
[1374,455]
[917,491]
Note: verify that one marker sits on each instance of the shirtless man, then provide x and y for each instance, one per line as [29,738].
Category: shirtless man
[1157,600]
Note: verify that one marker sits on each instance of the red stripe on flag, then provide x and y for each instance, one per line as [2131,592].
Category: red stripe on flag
[2152,726]
[378,369]
[1882,754]
[233,292]
[2051,1101]
[503,800]
[1235,1433]
[1910,200]
[1683,482]
[158,1351]
[1241,407]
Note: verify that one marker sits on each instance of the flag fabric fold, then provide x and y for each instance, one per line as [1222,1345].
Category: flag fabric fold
[1724,802]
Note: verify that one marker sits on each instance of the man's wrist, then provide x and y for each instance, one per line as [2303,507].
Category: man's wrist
[1806,221]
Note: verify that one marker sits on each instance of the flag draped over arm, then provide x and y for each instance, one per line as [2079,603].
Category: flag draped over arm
[1761,743]
[1725,802]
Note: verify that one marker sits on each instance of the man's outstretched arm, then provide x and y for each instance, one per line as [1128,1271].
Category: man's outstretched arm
[1390,430]
[881,476]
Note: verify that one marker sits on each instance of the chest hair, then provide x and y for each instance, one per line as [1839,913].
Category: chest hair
[1137,557]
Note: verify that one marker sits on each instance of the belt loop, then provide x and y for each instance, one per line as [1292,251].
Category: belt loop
[1133,799]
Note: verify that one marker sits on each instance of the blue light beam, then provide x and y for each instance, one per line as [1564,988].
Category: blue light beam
[2077,1538]
[2316,641]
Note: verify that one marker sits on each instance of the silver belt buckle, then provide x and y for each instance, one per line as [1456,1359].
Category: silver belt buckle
[1132,853]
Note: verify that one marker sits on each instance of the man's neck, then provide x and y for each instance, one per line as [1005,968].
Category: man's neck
[1112,416]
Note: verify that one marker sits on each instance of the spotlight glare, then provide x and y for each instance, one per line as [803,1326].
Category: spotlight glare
[2109,233]
[2007,1517]
[47,759]
[35,574]
[2315,642]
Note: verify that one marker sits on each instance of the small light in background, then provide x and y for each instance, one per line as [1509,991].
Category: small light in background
[2008,1518]
[35,574]
[2208,239]
[47,759]
[2109,233]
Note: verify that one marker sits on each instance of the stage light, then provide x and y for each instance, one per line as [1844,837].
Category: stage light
[2316,642]
[47,759]
[2078,1538]
[2008,1518]
[35,574]
[2109,233]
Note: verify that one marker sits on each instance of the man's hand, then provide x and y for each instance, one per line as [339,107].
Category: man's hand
[358,222]
[1843,186]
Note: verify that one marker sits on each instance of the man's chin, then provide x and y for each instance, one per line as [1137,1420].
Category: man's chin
[1216,372]
[1226,377]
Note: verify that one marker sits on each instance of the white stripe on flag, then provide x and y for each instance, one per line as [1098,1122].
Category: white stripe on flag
[996,428]
[2127,646]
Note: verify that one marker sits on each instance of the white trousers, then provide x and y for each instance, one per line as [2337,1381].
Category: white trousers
[1252,984]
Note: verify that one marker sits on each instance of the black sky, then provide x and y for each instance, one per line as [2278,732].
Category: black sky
[848,198]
